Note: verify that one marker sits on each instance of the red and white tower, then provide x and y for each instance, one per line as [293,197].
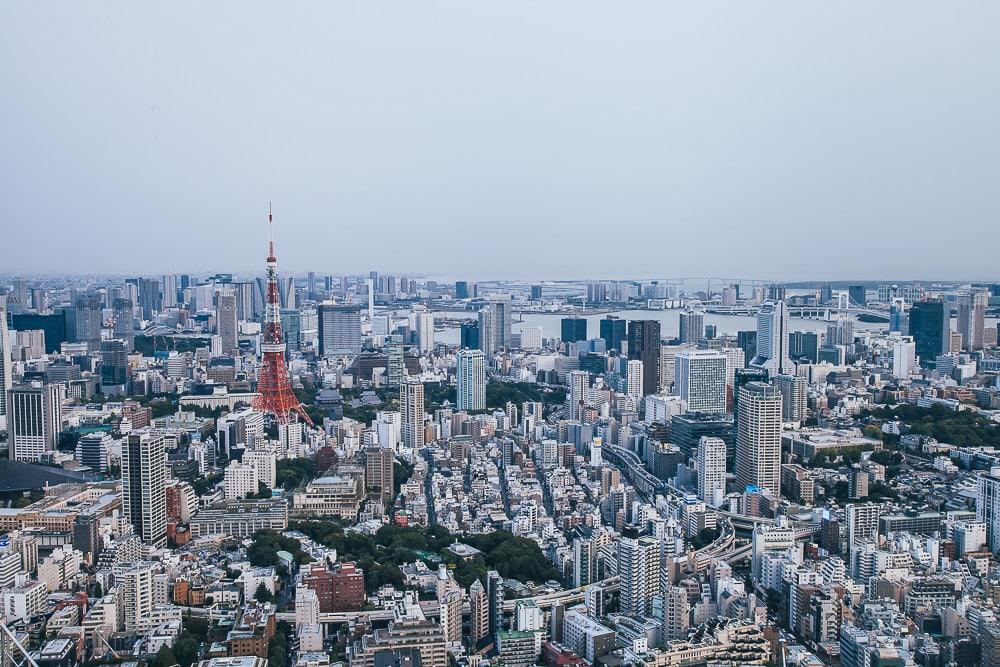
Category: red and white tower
[275,393]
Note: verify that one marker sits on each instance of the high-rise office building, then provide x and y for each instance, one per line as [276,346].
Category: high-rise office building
[711,463]
[613,332]
[772,339]
[793,390]
[461,289]
[291,329]
[988,506]
[169,287]
[840,332]
[573,329]
[536,292]
[395,365]
[114,367]
[758,437]
[425,331]
[930,326]
[84,320]
[700,379]
[495,323]
[972,319]
[226,321]
[144,495]
[857,295]
[471,380]
[6,373]
[904,355]
[692,326]
[411,406]
[122,314]
[339,330]
[634,379]
[34,420]
[747,341]
[469,335]
[804,346]
[644,345]
[378,472]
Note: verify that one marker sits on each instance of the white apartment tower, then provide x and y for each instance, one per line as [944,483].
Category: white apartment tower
[711,460]
[411,406]
[758,437]
[793,390]
[634,378]
[144,495]
[471,380]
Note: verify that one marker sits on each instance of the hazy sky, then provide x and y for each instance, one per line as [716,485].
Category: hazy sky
[788,140]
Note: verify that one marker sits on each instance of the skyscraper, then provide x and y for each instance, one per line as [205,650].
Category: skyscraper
[972,319]
[425,331]
[471,380]
[226,321]
[169,286]
[34,420]
[930,327]
[793,397]
[904,353]
[339,330]
[122,313]
[495,323]
[469,335]
[411,406]
[576,396]
[573,329]
[711,461]
[613,332]
[114,367]
[988,506]
[634,379]
[772,339]
[644,345]
[840,332]
[758,437]
[83,321]
[144,495]
[692,326]
[394,364]
[6,374]
[700,379]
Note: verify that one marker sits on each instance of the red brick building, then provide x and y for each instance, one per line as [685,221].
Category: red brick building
[340,589]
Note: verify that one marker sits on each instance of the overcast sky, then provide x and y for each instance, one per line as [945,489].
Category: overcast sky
[788,140]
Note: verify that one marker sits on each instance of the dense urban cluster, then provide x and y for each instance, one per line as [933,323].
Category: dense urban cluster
[313,470]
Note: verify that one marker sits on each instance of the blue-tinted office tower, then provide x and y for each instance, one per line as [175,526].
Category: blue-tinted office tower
[930,326]
[461,290]
[470,335]
[573,329]
[613,332]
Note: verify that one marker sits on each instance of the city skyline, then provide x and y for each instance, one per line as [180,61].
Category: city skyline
[147,143]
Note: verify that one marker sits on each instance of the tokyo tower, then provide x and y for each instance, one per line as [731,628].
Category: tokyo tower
[274,391]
